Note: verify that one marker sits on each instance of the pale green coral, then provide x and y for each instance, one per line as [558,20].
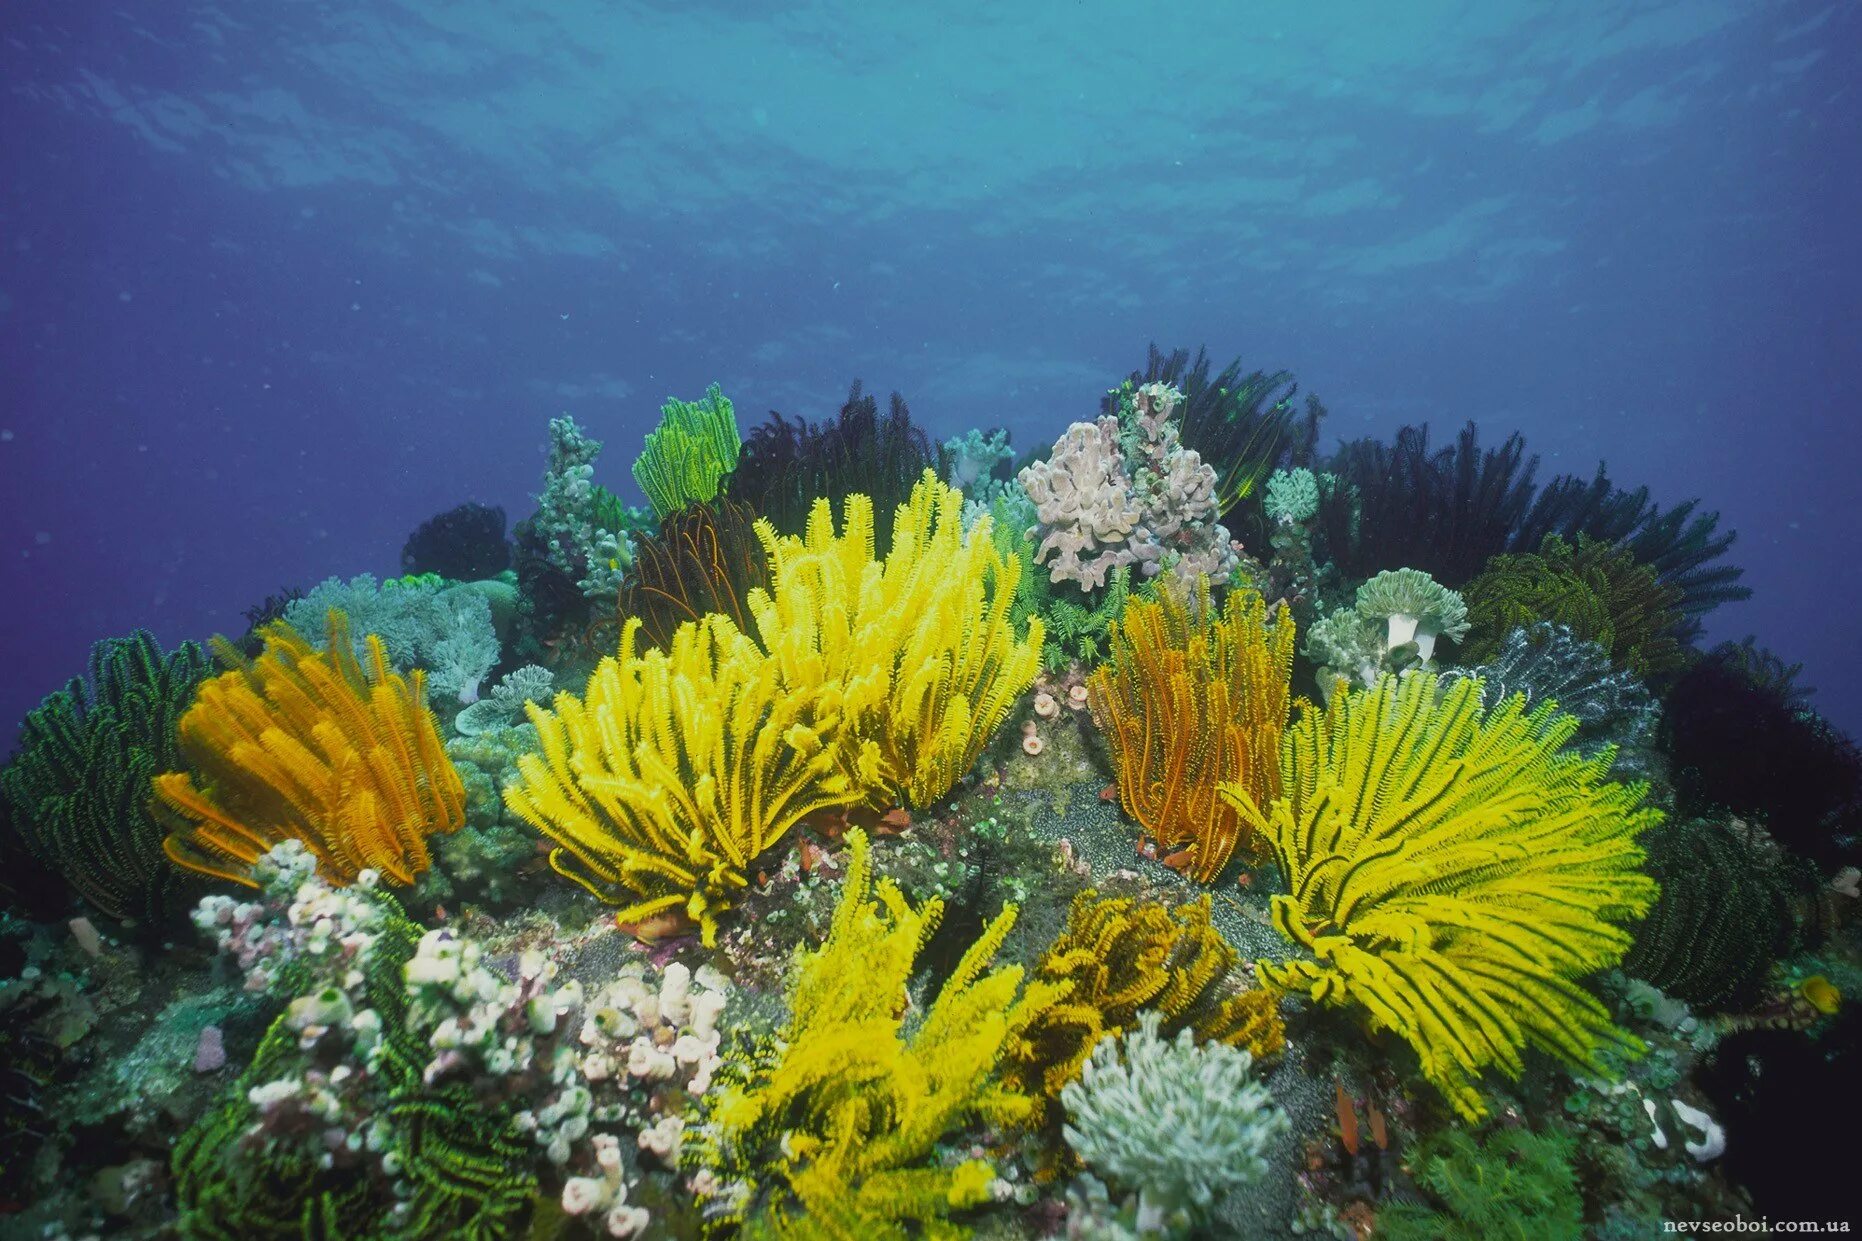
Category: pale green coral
[1184,1127]
[1415,607]
[1292,496]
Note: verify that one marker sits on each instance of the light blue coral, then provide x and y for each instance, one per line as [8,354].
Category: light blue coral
[1415,608]
[1292,496]
[448,630]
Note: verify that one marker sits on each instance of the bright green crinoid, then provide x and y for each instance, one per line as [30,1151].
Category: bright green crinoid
[689,453]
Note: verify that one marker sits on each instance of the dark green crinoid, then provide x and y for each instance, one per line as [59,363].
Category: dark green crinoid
[1599,591]
[1724,916]
[77,792]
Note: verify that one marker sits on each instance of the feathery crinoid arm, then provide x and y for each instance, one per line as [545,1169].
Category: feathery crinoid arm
[675,770]
[1454,871]
[309,745]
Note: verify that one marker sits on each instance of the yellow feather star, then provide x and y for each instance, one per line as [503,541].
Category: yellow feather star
[1454,872]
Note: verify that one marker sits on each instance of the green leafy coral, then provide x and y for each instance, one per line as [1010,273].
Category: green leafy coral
[691,451]
[1454,872]
[1596,589]
[77,792]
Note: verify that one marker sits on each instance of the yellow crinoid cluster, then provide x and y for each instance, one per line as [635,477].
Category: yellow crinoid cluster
[675,769]
[1194,696]
[919,644]
[834,1127]
[864,680]
[301,744]
[1454,872]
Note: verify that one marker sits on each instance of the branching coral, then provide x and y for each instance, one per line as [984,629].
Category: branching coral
[705,558]
[1183,1126]
[464,544]
[448,630]
[920,645]
[504,706]
[676,768]
[1241,424]
[1597,590]
[1724,917]
[1454,872]
[1124,957]
[301,745]
[786,466]
[1191,698]
[1123,492]
[77,791]
[691,451]
[833,1128]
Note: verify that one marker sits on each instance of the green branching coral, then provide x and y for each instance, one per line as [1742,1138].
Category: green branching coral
[1724,917]
[691,451]
[1454,872]
[1511,1183]
[1599,591]
[1182,1126]
[1415,608]
[77,792]
[833,1128]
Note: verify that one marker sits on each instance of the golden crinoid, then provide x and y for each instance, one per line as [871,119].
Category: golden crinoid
[1191,699]
[317,746]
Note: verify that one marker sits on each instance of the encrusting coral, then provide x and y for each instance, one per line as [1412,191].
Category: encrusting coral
[77,791]
[313,746]
[831,1130]
[1124,958]
[1191,698]
[1453,872]
[692,450]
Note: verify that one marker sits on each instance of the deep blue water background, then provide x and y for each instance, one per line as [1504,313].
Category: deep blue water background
[280,280]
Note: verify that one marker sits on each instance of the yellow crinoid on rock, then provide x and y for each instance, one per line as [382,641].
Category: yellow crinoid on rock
[1454,872]
[301,744]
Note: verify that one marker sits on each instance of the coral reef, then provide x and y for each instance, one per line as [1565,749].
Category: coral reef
[1396,803]
[421,622]
[76,792]
[314,747]
[463,544]
[1192,698]
[689,454]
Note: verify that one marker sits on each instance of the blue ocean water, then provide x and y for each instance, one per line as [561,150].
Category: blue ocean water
[279,281]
